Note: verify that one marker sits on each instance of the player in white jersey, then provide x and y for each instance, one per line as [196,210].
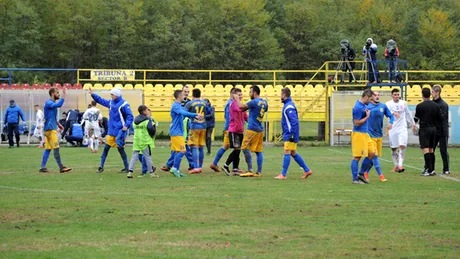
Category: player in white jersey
[91,118]
[39,125]
[398,133]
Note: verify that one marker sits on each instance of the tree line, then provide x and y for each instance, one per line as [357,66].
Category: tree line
[221,34]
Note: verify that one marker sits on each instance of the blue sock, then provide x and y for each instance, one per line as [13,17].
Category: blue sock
[195,156]
[105,152]
[201,157]
[170,162]
[46,155]
[298,158]
[178,159]
[248,158]
[365,165]
[57,157]
[124,157]
[190,157]
[260,161]
[286,162]
[219,155]
[376,162]
[354,169]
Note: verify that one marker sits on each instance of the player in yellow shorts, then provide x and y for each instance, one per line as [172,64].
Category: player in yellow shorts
[291,132]
[361,143]
[226,144]
[253,138]
[50,128]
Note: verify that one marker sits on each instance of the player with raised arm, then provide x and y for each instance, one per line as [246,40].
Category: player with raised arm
[91,117]
[197,134]
[361,143]
[50,126]
[253,138]
[398,133]
[176,131]
[378,111]
[291,131]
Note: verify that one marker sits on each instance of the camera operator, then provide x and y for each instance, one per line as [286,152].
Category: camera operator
[391,54]
[347,54]
[370,51]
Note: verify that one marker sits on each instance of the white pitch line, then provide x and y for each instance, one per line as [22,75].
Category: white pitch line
[408,166]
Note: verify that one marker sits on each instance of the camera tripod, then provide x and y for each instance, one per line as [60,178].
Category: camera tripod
[344,65]
[368,59]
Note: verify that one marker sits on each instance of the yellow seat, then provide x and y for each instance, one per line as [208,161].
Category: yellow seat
[180,86]
[128,86]
[149,86]
[239,87]
[108,86]
[228,87]
[119,86]
[98,86]
[87,86]
[139,86]
[426,86]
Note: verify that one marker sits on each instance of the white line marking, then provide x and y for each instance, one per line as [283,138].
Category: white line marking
[408,166]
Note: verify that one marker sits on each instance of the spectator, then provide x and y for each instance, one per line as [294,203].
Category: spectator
[61,124]
[210,123]
[75,134]
[370,51]
[12,115]
[392,54]
[72,116]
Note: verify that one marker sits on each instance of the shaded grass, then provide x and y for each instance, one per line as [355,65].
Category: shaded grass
[84,214]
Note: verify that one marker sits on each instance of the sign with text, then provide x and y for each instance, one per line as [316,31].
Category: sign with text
[112,75]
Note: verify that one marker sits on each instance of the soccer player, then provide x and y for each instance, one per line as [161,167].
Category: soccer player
[197,133]
[235,131]
[375,124]
[253,139]
[12,115]
[291,130]
[144,134]
[176,131]
[91,117]
[361,143]
[428,114]
[121,118]
[50,127]
[188,151]
[226,144]
[398,133]
[39,124]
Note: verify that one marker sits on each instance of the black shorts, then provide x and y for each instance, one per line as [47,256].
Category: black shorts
[427,137]
[236,139]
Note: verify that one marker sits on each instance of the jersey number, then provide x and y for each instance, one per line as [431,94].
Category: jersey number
[199,110]
[262,111]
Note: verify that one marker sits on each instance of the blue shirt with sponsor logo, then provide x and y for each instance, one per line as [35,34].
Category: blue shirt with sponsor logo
[359,112]
[257,109]
[375,121]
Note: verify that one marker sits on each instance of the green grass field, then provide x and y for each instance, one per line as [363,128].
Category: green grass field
[82,214]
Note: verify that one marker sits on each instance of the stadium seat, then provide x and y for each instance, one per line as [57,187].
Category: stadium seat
[46,86]
[57,85]
[67,86]
[128,87]
[87,86]
[199,86]
[239,87]
[181,86]
[14,86]
[119,86]
[149,87]
[426,86]
[228,87]
[25,86]
[108,86]
[98,86]
[36,86]
[139,86]
[4,86]
[77,86]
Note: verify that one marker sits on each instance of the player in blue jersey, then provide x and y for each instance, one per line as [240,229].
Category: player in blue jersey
[361,143]
[176,131]
[51,126]
[226,145]
[291,131]
[253,138]
[197,133]
[375,123]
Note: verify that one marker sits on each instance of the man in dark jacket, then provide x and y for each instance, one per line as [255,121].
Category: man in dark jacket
[442,128]
[12,115]
[72,117]
[428,114]
[210,123]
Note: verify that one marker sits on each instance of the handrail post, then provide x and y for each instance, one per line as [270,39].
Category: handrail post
[145,76]
[78,76]
[210,77]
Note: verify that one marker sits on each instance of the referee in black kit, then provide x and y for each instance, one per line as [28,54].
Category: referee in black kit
[428,114]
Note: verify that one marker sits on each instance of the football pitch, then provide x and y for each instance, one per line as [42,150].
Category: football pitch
[82,214]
